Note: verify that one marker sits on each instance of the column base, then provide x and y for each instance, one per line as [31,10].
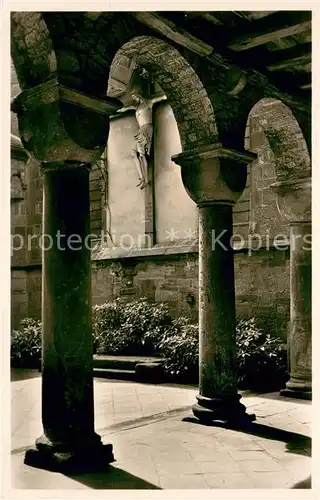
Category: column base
[81,460]
[297,388]
[290,393]
[226,412]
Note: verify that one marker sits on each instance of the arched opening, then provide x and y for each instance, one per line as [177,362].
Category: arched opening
[275,136]
[31,49]
[189,100]
[284,137]
[283,155]
[183,119]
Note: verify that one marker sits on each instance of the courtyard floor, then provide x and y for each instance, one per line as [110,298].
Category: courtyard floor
[155,448]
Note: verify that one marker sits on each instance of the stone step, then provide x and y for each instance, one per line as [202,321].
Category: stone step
[122,362]
[117,374]
[139,368]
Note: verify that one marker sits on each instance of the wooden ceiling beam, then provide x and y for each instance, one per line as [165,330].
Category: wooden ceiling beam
[212,19]
[261,58]
[271,28]
[258,14]
[170,30]
[290,63]
[250,41]
[294,81]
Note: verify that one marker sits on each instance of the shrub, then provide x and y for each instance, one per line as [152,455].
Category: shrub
[133,328]
[261,358]
[144,328]
[26,344]
[180,350]
[106,322]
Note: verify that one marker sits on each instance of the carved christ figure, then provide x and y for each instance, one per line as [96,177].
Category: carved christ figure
[141,151]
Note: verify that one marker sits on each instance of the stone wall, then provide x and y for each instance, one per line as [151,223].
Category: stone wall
[264,215]
[262,288]
[262,283]
[19,296]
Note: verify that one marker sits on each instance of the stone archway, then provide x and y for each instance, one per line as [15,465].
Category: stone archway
[31,49]
[188,98]
[285,138]
[214,177]
[184,92]
[276,122]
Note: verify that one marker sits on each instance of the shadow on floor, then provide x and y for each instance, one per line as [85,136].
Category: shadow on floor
[145,382]
[303,485]
[295,442]
[113,479]
[276,396]
[23,374]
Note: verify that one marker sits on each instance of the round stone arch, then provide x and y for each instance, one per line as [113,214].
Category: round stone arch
[283,133]
[32,51]
[186,94]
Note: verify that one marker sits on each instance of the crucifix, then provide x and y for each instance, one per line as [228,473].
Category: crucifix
[143,138]
[143,105]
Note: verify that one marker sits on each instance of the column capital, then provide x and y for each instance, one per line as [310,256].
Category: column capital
[58,124]
[214,173]
[63,165]
[294,199]
[213,151]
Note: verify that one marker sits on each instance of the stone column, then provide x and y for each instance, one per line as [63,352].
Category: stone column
[66,145]
[294,205]
[215,177]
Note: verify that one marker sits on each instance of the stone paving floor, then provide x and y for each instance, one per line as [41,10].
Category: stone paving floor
[155,448]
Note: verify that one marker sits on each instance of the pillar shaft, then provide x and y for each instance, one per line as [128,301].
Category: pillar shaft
[217,348]
[299,338]
[69,442]
[66,131]
[67,386]
[294,205]
[214,178]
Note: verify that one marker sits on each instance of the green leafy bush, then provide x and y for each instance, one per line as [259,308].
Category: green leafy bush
[133,328]
[261,358]
[180,350]
[143,328]
[26,344]
[106,322]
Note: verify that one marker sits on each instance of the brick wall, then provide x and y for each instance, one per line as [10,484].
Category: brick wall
[34,292]
[19,276]
[262,284]
[172,279]
[19,297]
[96,183]
[262,288]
